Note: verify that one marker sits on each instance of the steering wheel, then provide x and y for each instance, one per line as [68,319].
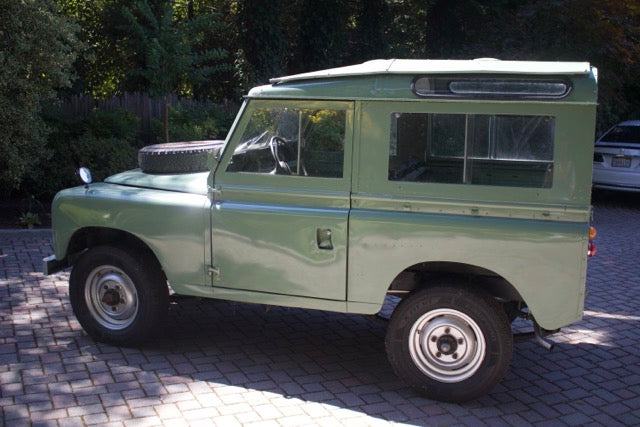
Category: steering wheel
[274,145]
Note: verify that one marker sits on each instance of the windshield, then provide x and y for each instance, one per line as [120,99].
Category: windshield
[623,134]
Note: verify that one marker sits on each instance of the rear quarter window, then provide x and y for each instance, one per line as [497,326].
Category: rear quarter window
[480,149]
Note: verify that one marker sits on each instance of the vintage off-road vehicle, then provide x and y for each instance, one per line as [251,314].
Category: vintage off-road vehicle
[461,187]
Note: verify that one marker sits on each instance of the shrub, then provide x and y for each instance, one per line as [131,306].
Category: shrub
[104,141]
[195,121]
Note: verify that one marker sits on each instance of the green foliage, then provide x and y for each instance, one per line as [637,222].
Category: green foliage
[104,141]
[370,39]
[213,50]
[29,219]
[327,129]
[116,123]
[164,58]
[322,36]
[216,49]
[189,121]
[37,49]
[155,46]
[603,32]
[159,51]
[261,25]
[30,216]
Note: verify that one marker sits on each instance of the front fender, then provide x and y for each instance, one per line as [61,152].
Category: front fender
[174,225]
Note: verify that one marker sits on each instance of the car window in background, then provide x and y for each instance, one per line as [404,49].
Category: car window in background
[623,134]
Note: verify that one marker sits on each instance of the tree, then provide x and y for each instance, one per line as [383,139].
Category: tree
[605,33]
[262,39]
[163,56]
[101,66]
[322,35]
[37,49]
[405,30]
[369,39]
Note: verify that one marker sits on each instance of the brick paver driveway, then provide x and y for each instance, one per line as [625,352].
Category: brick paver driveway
[223,363]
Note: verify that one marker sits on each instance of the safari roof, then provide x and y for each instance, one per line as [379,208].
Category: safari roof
[392,78]
[430,66]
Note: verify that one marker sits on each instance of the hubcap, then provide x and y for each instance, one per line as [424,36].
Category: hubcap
[447,345]
[111,297]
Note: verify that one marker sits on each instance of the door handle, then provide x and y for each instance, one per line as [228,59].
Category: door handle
[323,238]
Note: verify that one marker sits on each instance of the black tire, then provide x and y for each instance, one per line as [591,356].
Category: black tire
[450,343]
[118,298]
[177,157]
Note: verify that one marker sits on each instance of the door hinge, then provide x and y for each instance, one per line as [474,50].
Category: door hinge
[214,272]
[214,193]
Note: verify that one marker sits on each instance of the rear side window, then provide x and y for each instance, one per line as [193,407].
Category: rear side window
[623,134]
[502,150]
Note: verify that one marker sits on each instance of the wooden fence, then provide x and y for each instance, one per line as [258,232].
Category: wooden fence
[141,104]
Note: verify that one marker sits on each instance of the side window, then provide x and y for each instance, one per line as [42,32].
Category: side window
[504,150]
[289,141]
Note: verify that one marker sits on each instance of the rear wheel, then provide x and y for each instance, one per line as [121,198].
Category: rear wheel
[452,344]
[118,298]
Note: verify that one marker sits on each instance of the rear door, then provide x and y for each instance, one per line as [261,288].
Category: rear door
[279,220]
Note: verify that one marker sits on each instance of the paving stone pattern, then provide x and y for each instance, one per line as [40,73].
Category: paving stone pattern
[220,363]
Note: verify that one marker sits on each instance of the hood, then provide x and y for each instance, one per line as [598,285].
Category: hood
[195,183]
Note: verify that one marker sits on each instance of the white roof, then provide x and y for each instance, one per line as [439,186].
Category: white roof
[447,66]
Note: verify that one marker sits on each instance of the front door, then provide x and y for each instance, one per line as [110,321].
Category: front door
[282,198]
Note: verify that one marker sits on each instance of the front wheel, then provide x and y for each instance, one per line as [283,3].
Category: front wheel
[451,343]
[118,299]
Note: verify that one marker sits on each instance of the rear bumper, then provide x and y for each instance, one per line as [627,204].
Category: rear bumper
[51,265]
[616,178]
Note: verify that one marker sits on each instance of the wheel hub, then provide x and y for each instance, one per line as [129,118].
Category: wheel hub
[447,345]
[111,297]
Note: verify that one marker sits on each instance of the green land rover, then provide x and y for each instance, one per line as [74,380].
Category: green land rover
[462,188]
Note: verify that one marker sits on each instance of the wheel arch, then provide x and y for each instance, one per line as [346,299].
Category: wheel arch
[420,275]
[89,237]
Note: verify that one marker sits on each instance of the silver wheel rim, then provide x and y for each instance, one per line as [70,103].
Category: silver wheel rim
[111,297]
[447,345]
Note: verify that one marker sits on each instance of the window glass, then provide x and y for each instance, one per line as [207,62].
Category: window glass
[503,88]
[524,138]
[623,134]
[446,132]
[288,141]
[506,150]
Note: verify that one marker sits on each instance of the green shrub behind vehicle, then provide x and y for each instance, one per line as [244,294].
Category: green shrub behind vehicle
[105,140]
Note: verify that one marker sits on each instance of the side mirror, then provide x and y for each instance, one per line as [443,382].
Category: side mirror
[85,176]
